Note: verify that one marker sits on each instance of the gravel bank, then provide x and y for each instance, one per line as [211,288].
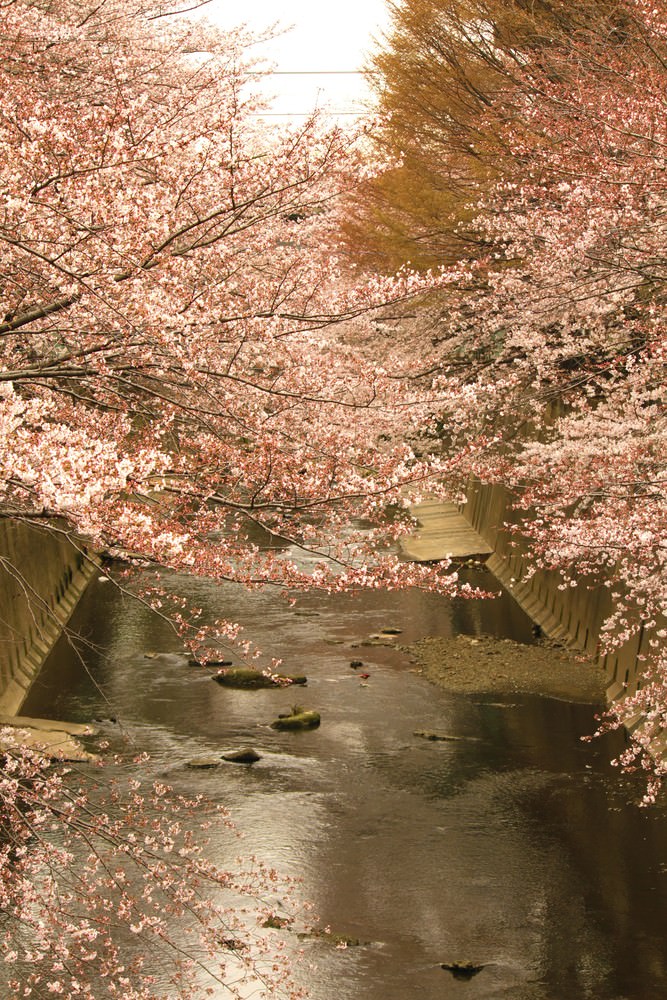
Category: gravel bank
[483,664]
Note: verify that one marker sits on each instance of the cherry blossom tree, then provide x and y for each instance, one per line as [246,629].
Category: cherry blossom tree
[554,343]
[589,216]
[186,365]
[107,892]
[172,273]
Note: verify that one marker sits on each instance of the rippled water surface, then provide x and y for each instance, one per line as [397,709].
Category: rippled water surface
[513,846]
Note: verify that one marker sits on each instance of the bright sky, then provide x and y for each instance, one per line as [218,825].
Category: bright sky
[316,60]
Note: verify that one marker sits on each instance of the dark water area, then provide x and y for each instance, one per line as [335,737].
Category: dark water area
[514,846]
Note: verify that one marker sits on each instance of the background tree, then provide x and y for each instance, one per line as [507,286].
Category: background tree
[437,76]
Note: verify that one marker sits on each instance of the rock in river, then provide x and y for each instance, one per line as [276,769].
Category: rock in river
[242,677]
[461,970]
[428,734]
[245,755]
[297,720]
[203,762]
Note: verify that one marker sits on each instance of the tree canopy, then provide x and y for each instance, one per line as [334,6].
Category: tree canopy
[171,376]
[446,78]
[186,367]
[545,125]
[190,358]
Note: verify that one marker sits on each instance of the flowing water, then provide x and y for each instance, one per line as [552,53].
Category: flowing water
[514,846]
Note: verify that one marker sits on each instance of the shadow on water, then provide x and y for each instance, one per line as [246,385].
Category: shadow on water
[513,846]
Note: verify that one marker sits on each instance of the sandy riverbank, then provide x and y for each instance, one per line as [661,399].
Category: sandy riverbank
[483,664]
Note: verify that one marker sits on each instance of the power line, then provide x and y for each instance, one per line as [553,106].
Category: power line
[303,114]
[313,72]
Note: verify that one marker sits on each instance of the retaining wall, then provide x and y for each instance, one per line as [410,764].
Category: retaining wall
[573,615]
[42,576]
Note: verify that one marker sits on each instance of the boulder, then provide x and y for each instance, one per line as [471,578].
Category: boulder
[297,720]
[245,677]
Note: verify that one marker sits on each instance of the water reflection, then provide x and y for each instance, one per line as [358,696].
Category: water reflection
[513,846]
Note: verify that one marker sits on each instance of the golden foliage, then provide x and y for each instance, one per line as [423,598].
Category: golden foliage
[447,69]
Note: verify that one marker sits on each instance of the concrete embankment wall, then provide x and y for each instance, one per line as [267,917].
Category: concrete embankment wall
[42,576]
[573,615]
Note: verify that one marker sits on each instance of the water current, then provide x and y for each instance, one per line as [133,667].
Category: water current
[515,846]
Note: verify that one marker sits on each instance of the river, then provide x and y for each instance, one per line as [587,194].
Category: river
[514,846]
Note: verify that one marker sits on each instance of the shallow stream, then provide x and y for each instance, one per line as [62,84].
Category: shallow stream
[514,846]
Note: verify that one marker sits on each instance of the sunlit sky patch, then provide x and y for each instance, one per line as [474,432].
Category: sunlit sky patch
[319,58]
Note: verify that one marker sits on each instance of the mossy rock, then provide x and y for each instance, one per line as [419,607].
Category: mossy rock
[243,677]
[298,720]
